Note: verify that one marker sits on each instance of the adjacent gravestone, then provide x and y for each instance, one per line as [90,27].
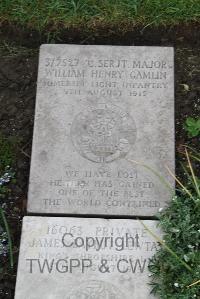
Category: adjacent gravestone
[99,108]
[72,258]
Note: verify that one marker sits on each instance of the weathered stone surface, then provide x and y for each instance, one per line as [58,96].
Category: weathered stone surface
[74,258]
[98,107]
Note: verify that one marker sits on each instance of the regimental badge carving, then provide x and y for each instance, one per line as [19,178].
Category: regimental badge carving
[103,133]
[96,290]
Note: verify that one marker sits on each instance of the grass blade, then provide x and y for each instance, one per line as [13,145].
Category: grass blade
[195,154]
[193,284]
[192,172]
[194,157]
[179,182]
[165,246]
[167,185]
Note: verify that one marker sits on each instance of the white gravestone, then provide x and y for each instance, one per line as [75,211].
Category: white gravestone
[97,108]
[74,258]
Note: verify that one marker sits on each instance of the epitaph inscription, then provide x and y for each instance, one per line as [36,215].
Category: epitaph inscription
[97,109]
[96,290]
[93,258]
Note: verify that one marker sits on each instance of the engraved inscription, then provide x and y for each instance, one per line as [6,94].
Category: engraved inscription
[102,114]
[103,134]
[96,290]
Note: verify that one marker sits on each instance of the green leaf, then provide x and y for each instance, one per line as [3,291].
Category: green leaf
[192,126]
[190,121]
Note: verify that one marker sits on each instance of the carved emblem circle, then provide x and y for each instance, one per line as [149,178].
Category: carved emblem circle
[103,134]
[96,290]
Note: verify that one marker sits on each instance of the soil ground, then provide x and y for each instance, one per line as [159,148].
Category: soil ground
[18,74]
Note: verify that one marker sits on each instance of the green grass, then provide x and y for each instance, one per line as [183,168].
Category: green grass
[52,14]
[175,270]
